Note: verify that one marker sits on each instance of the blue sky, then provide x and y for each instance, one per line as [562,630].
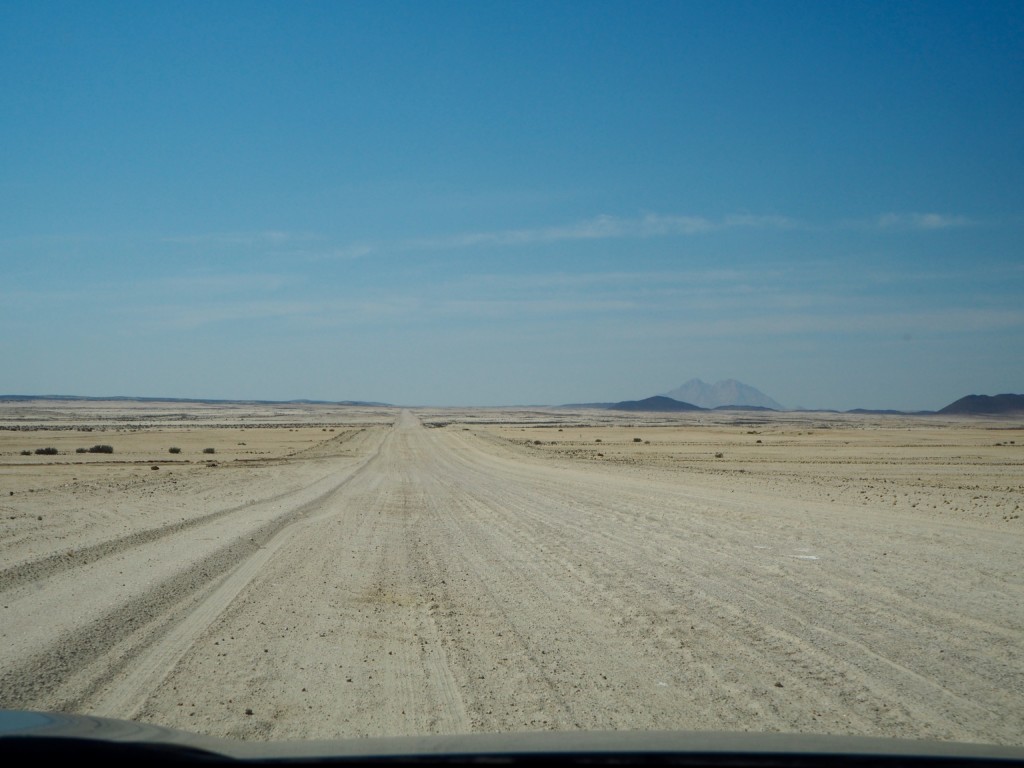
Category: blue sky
[508,203]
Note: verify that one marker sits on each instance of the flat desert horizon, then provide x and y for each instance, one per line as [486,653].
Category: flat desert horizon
[299,571]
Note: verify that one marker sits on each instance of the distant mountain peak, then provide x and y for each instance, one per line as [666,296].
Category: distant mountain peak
[724,392]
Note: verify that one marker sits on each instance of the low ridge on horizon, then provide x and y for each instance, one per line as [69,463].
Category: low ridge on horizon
[980,405]
[202,400]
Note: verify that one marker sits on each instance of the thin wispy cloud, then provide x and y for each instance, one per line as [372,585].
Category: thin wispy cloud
[597,228]
[603,227]
[513,308]
[194,317]
[952,320]
[261,238]
[876,324]
[221,283]
[313,246]
[618,280]
[922,221]
[310,313]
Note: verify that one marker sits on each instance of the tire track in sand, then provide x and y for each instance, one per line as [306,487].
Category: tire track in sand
[145,633]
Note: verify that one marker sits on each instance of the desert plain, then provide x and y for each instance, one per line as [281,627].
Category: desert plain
[312,571]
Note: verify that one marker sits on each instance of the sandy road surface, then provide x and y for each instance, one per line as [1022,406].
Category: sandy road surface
[441,580]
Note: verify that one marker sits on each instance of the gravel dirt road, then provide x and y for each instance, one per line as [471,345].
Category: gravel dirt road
[441,580]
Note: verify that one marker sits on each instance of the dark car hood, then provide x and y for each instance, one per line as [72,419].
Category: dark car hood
[73,733]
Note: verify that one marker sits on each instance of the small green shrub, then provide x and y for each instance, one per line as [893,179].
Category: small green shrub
[46,451]
[102,449]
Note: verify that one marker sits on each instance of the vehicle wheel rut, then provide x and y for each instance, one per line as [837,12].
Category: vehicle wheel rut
[145,632]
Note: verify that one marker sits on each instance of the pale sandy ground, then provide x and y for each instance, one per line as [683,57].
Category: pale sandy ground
[468,570]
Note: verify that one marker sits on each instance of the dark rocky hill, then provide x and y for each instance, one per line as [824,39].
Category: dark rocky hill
[985,405]
[656,403]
